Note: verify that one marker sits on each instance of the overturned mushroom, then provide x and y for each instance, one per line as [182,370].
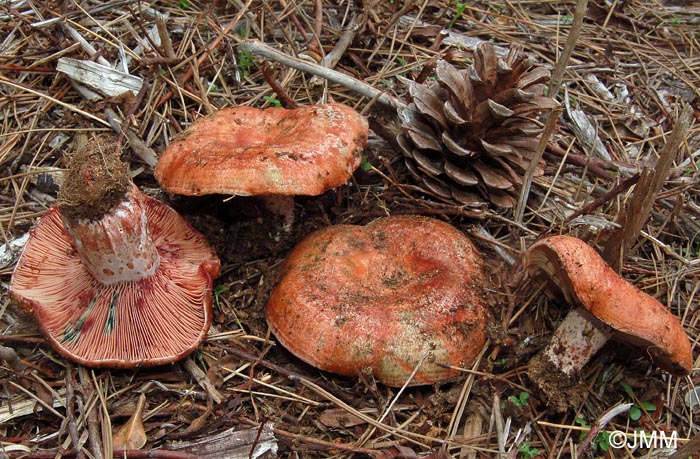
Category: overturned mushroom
[606,305]
[265,152]
[115,278]
[397,295]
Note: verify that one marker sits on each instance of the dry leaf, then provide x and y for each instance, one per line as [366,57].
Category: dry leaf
[200,421]
[132,435]
[338,418]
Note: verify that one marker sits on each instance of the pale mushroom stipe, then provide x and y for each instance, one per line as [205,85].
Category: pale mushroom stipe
[604,301]
[399,295]
[113,277]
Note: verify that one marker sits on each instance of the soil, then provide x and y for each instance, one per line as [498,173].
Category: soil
[96,182]
[559,392]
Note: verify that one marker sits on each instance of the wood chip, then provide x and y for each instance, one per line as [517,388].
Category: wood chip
[102,78]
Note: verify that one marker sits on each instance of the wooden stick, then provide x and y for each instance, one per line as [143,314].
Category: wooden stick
[282,94]
[591,206]
[259,48]
[331,59]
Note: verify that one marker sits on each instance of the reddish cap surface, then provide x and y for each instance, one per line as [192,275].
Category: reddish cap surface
[585,279]
[383,297]
[152,321]
[252,151]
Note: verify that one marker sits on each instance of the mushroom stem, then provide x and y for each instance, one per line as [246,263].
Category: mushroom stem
[118,246]
[282,205]
[577,339]
[105,215]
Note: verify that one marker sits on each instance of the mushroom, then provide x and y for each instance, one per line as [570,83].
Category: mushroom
[606,306]
[265,152]
[113,277]
[400,294]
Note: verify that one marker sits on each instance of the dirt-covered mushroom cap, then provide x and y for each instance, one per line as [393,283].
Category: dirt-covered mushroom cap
[126,285]
[274,151]
[636,317]
[397,294]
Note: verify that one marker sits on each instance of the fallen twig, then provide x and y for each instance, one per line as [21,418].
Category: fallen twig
[599,201]
[259,48]
[595,166]
[282,95]
[331,59]
[599,425]
[202,379]
[70,413]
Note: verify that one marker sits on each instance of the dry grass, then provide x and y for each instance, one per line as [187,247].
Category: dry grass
[646,53]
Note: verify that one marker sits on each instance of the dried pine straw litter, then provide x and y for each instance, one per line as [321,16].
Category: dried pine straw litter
[148,69]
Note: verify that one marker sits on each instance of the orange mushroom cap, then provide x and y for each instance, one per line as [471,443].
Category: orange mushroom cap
[385,296]
[636,317]
[251,151]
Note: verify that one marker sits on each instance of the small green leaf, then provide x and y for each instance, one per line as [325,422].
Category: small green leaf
[365,164]
[583,423]
[218,290]
[628,389]
[648,406]
[602,441]
[245,62]
[635,413]
[520,399]
[272,100]
[580,421]
[527,450]
[460,7]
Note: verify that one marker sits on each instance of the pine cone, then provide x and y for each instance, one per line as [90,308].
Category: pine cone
[469,136]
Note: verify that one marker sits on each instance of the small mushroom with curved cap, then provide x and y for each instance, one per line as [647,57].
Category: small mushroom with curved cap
[113,277]
[275,152]
[606,306]
[399,294]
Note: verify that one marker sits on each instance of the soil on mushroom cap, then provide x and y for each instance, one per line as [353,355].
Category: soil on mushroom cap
[96,182]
